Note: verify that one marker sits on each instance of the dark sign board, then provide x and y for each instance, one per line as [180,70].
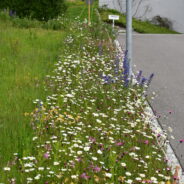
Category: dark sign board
[89,1]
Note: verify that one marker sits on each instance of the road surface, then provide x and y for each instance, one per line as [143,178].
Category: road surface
[163,55]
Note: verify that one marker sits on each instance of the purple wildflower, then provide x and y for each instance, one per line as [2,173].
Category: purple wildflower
[101,147]
[146,142]
[107,79]
[92,139]
[46,155]
[96,169]
[84,176]
[181,140]
[138,78]
[79,159]
[150,79]
[119,143]
[143,81]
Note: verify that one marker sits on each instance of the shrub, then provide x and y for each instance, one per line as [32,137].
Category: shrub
[4,16]
[162,21]
[41,10]
[53,24]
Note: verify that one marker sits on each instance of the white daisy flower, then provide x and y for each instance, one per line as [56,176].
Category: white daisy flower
[6,169]
[108,175]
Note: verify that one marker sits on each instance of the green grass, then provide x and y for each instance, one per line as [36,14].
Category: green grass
[89,129]
[75,9]
[27,22]
[80,9]
[26,57]
[138,25]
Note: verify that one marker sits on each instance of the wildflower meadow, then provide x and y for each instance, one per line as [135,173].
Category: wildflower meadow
[92,127]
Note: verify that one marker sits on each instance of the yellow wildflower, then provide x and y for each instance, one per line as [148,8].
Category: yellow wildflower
[121,179]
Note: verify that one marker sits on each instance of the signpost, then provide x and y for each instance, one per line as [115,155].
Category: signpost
[89,2]
[113,18]
[129,34]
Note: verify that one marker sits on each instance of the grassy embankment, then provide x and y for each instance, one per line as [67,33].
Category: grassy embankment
[138,25]
[28,51]
[78,8]
[26,57]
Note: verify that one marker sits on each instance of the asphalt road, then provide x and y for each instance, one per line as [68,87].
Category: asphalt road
[163,55]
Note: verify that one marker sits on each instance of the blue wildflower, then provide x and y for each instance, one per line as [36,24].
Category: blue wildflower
[143,81]
[150,79]
[107,79]
[138,78]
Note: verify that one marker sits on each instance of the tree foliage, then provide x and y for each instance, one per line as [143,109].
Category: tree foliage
[39,9]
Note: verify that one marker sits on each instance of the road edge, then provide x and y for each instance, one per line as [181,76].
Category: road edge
[173,161]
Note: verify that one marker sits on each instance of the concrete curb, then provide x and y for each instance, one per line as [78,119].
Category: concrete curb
[168,151]
[173,162]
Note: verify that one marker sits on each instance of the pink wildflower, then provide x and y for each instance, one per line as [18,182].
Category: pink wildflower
[96,169]
[119,143]
[46,155]
[92,139]
[85,176]
[146,142]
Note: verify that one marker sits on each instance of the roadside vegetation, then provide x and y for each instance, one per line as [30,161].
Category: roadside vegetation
[26,57]
[138,25]
[80,8]
[40,10]
[71,114]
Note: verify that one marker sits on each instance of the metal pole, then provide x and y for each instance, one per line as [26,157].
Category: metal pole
[129,34]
